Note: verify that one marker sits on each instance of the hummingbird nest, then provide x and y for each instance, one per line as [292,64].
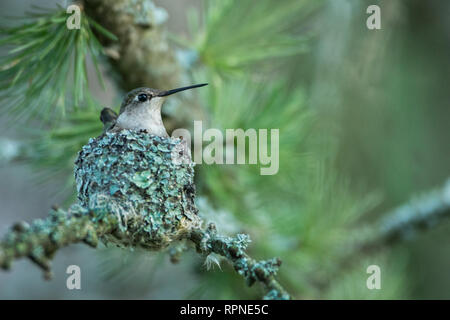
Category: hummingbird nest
[135,189]
[144,181]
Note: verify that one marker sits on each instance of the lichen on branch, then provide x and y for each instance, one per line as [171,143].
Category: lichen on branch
[208,241]
[142,55]
[135,190]
[400,225]
[43,237]
[410,219]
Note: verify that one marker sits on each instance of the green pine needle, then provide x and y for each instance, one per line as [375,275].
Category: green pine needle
[234,35]
[44,73]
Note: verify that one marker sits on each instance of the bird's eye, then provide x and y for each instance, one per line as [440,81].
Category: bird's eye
[142,97]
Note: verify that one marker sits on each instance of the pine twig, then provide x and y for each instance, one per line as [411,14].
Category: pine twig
[408,220]
[141,56]
[40,240]
[208,241]
[402,224]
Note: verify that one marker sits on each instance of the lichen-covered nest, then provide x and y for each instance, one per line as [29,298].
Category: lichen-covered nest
[145,181]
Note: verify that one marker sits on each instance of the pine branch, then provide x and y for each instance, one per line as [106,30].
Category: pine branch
[409,220]
[40,241]
[10,150]
[141,56]
[41,53]
[208,241]
[400,225]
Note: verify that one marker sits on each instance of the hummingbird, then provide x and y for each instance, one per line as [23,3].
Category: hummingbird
[141,110]
[145,179]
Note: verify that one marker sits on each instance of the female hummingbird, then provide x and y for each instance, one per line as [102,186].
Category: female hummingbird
[141,110]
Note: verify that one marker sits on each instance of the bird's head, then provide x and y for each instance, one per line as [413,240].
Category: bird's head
[149,98]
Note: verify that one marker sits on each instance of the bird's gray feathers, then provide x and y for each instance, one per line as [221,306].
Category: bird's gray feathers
[130,96]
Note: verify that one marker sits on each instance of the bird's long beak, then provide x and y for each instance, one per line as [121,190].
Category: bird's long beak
[169,92]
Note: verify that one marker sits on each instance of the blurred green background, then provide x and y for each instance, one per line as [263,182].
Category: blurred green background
[363,118]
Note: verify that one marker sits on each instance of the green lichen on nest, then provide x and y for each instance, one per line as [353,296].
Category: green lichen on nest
[135,190]
[139,178]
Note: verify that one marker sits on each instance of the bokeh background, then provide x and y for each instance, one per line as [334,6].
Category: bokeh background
[363,118]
